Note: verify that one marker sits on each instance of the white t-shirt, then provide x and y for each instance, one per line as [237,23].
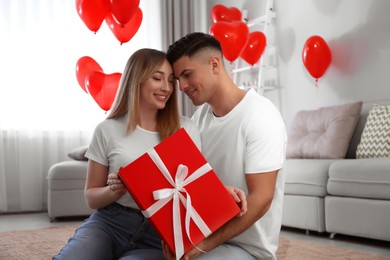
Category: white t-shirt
[249,139]
[113,147]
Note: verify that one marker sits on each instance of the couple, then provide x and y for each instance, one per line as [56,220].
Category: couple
[239,132]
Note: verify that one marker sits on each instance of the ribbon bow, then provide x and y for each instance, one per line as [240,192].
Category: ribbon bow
[163,196]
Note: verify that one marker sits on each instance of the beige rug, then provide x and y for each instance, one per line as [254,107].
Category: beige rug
[43,243]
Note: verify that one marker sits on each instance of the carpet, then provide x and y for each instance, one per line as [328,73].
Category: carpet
[43,243]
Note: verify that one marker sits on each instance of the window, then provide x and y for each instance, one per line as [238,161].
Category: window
[41,42]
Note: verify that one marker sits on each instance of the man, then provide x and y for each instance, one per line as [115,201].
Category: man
[244,140]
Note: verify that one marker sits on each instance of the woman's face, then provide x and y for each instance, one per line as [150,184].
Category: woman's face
[156,90]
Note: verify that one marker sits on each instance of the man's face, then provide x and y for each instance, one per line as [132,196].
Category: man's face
[194,78]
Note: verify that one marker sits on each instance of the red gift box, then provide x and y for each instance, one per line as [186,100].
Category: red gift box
[178,191]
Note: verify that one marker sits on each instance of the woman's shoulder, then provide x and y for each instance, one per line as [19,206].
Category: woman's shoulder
[192,129]
[187,123]
[111,124]
[184,120]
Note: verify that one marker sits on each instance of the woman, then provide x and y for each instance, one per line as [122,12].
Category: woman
[144,113]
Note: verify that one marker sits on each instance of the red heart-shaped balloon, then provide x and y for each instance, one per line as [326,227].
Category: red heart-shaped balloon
[125,32]
[232,37]
[92,13]
[254,47]
[124,10]
[220,13]
[103,87]
[316,56]
[84,66]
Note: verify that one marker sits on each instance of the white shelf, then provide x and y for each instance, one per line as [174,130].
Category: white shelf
[262,20]
[255,68]
[268,87]
[265,70]
[245,69]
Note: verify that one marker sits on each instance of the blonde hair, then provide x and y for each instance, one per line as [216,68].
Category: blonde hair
[141,66]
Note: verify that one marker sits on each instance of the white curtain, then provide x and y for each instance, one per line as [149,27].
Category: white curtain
[180,18]
[44,113]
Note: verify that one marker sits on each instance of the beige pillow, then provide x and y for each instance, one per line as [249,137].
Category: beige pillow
[78,154]
[323,133]
[375,139]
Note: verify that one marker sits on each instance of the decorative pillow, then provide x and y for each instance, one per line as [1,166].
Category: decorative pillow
[323,133]
[375,139]
[78,154]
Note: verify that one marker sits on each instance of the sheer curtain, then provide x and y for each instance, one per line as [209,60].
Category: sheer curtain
[180,18]
[44,113]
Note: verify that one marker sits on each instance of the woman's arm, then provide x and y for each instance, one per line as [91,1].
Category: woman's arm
[101,188]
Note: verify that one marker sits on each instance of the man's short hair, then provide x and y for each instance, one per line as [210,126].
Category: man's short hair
[190,44]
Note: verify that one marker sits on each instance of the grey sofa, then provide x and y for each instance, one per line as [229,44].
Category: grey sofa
[66,181]
[346,196]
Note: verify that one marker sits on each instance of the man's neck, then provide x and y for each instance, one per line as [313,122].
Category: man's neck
[225,100]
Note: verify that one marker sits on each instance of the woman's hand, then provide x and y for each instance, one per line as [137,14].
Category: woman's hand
[102,188]
[239,197]
[116,184]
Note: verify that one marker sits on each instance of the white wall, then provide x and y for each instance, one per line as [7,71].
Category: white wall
[358,34]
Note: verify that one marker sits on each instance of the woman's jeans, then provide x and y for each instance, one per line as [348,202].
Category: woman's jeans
[114,232]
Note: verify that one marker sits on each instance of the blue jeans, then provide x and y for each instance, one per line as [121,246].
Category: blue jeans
[226,252]
[113,232]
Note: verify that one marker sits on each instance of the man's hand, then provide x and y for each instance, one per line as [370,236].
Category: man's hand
[191,254]
[239,197]
[167,252]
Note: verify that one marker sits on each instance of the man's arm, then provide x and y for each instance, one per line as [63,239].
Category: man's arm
[261,189]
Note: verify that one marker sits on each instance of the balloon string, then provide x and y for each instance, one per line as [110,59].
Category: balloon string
[318,93]
[231,69]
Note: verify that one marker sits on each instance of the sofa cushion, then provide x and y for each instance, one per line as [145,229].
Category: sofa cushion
[323,133]
[306,176]
[361,178]
[78,153]
[375,139]
[355,140]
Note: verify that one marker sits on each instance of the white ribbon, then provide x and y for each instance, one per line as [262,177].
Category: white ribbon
[163,196]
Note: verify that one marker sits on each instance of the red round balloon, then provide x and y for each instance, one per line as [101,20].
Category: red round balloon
[84,66]
[316,56]
[220,13]
[254,47]
[103,88]
[92,13]
[124,10]
[232,37]
[124,33]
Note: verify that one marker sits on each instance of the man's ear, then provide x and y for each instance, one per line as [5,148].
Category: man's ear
[215,63]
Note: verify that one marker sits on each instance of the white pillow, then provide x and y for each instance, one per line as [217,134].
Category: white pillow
[324,133]
[78,154]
